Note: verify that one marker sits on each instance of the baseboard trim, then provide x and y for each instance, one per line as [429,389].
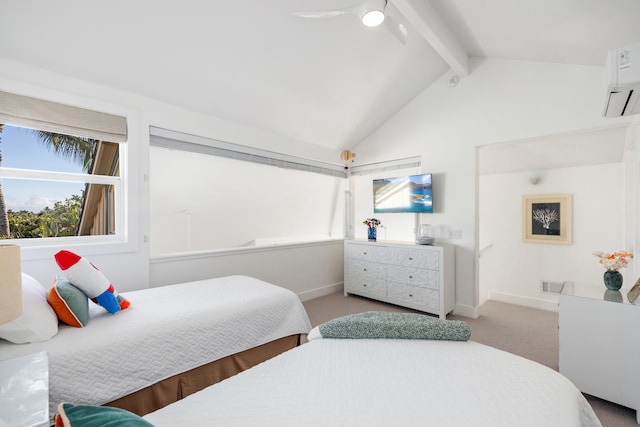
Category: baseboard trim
[466,311]
[540,304]
[320,292]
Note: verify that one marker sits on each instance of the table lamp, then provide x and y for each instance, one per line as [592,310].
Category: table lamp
[10,283]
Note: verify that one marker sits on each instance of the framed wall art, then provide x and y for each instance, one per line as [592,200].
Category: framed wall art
[546,218]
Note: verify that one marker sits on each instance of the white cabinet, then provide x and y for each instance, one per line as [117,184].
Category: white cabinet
[600,344]
[413,276]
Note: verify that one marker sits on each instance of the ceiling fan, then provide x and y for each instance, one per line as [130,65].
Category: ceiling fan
[372,13]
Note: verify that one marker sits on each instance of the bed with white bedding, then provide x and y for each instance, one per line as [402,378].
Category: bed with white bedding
[387,382]
[166,331]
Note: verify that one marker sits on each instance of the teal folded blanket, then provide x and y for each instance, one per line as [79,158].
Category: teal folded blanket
[382,324]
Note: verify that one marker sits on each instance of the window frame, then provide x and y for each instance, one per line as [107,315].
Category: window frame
[129,192]
[55,176]
[179,141]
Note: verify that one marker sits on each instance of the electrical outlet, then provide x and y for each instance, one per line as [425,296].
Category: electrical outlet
[455,234]
[550,287]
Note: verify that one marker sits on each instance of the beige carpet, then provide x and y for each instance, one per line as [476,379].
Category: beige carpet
[524,331]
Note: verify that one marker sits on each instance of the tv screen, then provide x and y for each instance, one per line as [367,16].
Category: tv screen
[403,194]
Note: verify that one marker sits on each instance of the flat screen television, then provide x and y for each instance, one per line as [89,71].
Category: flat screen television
[403,194]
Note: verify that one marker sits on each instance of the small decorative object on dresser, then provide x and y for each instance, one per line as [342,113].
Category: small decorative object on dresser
[372,225]
[613,262]
[634,292]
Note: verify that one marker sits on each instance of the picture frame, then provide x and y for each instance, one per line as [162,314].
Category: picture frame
[546,218]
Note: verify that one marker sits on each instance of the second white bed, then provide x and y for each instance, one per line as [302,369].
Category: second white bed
[343,382]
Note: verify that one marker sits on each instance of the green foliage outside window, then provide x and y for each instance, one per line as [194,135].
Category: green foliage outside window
[59,221]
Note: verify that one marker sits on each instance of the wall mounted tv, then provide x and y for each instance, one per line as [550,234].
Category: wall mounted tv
[403,194]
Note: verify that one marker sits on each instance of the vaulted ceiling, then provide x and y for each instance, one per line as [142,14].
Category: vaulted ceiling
[327,81]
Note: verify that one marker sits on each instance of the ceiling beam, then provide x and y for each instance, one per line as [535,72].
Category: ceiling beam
[424,18]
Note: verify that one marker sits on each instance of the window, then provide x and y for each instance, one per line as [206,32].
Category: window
[60,173]
[207,195]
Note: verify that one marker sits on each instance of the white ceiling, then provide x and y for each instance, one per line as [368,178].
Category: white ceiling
[554,151]
[324,81]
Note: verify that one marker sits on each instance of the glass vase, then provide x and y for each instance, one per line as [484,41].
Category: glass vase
[372,234]
[613,279]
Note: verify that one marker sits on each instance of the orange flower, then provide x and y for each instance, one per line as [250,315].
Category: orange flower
[614,261]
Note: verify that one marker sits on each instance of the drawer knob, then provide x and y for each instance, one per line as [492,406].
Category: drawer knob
[364,284]
[364,253]
[410,277]
[410,259]
[411,295]
[365,269]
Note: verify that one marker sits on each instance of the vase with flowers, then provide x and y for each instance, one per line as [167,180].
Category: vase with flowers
[372,227]
[613,262]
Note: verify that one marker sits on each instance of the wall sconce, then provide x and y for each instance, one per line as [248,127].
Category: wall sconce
[534,179]
[347,156]
[10,283]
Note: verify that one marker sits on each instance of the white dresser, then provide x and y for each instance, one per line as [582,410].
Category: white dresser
[600,343]
[421,277]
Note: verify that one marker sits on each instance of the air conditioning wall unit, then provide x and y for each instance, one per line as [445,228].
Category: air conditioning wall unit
[623,81]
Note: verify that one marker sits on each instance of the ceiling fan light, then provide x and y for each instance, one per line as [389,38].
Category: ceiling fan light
[373,18]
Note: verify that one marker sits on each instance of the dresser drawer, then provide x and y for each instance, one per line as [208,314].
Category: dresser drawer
[412,258]
[365,276]
[375,289]
[428,298]
[362,252]
[413,276]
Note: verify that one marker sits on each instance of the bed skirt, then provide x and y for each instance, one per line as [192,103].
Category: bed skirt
[179,386]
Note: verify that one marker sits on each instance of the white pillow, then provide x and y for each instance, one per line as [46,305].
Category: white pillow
[38,321]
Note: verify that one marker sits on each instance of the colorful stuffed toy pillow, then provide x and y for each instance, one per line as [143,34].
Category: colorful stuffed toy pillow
[97,416]
[70,303]
[86,277]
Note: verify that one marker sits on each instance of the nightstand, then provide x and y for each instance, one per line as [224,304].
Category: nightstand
[600,343]
[24,391]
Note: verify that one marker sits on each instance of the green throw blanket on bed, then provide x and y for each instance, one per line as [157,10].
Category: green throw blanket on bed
[382,324]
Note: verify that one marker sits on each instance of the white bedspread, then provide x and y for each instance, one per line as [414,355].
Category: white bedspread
[166,331]
[332,382]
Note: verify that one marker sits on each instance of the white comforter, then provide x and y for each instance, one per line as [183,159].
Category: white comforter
[333,382]
[166,331]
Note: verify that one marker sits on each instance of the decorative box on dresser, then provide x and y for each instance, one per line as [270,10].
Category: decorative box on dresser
[600,343]
[421,277]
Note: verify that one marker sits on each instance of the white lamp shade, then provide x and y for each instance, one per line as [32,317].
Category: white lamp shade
[10,283]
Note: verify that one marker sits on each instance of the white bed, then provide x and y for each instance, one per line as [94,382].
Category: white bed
[166,331]
[383,382]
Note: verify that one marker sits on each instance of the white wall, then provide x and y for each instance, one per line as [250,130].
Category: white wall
[500,100]
[632,201]
[127,264]
[233,203]
[309,269]
[511,270]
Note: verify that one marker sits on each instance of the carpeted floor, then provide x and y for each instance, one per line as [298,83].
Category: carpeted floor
[520,330]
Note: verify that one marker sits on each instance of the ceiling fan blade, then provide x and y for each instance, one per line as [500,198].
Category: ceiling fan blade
[318,14]
[321,14]
[396,28]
